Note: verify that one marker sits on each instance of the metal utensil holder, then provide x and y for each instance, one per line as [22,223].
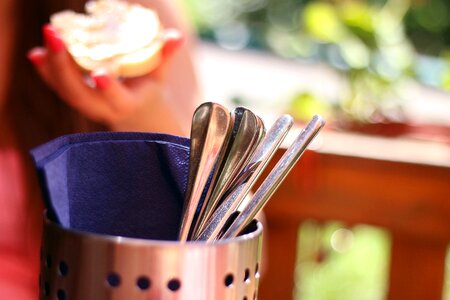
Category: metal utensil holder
[85,266]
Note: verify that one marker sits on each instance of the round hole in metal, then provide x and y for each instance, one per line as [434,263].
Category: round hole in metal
[247,275]
[48,261]
[229,280]
[61,295]
[174,285]
[143,282]
[46,289]
[113,279]
[63,268]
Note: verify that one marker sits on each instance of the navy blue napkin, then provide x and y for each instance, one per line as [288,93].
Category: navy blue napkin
[115,183]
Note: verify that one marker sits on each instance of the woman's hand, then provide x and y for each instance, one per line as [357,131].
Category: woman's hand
[134,104]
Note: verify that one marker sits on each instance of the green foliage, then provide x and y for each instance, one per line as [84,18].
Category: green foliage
[373,51]
[305,105]
[446,72]
[374,44]
[332,265]
[322,21]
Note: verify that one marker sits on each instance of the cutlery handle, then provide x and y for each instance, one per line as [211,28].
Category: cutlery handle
[275,177]
[211,127]
[256,165]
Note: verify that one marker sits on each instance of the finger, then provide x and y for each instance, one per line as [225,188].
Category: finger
[38,56]
[67,79]
[61,68]
[172,41]
[150,86]
[132,103]
[120,100]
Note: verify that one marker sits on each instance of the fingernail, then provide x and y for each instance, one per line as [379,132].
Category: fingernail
[52,39]
[101,79]
[173,40]
[36,55]
[173,34]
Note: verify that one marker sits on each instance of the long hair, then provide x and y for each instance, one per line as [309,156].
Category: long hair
[35,113]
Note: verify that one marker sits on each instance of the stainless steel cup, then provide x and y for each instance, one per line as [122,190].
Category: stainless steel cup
[85,266]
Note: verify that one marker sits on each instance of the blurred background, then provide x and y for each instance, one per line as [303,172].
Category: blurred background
[379,67]
[360,59]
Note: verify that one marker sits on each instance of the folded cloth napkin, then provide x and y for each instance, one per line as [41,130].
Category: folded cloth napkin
[115,183]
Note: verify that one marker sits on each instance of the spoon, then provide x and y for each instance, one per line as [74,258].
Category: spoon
[275,177]
[257,163]
[242,143]
[238,180]
[211,127]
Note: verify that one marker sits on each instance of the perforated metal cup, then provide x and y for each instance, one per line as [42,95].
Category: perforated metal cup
[85,266]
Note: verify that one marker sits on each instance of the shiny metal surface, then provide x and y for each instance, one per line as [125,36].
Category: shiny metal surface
[257,163]
[275,177]
[244,137]
[211,128]
[238,180]
[82,266]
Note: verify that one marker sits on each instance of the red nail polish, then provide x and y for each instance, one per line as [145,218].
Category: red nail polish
[36,56]
[52,39]
[173,40]
[101,80]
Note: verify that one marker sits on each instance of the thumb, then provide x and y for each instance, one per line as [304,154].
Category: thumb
[172,41]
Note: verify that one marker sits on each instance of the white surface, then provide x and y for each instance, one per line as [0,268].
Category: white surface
[268,82]
[264,81]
